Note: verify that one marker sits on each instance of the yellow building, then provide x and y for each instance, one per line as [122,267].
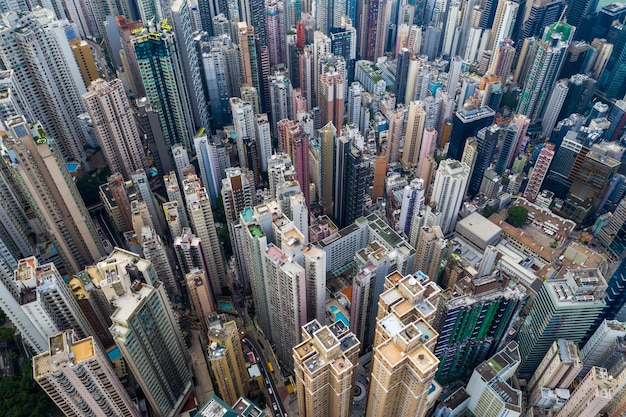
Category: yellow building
[85,61]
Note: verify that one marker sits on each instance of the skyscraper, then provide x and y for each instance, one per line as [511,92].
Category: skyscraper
[160,361]
[45,180]
[553,109]
[466,123]
[512,142]
[540,169]
[324,367]
[43,63]
[249,56]
[117,132]
[590,396]
[314,262]
[448,192]
[414,132]
[403,364]
[226,359]
[545,65]
[331,98]
[162,73]
[612,80]
[327,138]
[573,302]
[77,375]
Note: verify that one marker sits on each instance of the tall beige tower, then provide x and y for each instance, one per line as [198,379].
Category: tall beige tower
[592,394]
[115,126]
[45,180]
[331,98]
[226,359]
[403,362]
[78,376]
[414,133]
[327,138]
[324,368]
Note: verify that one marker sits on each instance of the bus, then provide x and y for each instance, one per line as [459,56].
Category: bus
[270,367]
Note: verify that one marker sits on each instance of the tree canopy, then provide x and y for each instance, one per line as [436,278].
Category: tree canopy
[517,216]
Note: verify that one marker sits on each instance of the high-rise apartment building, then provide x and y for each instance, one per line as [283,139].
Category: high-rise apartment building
[324,368]
[558,369]
[78,376]
[146,331]
[43,63]
[574,302]
[40,304]
[50,190]
[448,192]
[433,250]
[127,54]
[331,95]
[85,60]
[540,169]
[226,359]
[487,141]
[601,344]
[314,262]
[115,126]
[155,251]
[201,216]
[413,137]
[403,364]
[590,396]
[201,295]
[249,56]
[162,73]
[327,138]
[213,160]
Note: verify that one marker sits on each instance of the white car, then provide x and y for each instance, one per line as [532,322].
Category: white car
[274,406]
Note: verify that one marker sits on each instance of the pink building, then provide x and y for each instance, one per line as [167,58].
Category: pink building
[539,173]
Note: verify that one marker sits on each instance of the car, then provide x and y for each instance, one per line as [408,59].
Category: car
[267,381]
[244,340]
[274,407]
[270,391]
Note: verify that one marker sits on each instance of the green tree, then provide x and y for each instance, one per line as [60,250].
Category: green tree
[20,396]
[517,216]
[489,210]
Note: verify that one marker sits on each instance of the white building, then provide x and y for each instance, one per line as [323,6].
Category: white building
[448,192]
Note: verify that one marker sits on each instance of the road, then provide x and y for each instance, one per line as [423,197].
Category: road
[267,376]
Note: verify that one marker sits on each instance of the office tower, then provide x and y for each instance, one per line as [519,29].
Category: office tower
[201,295]
[514,140]
[601,344]
[41,58]
[473,325]
[403,364]
[590,184]
[350,181]
[412,204]
[503,23]
[117,132]
[558,369]
[540,169]
[192,77]
[404,58]
[448,192]
[617,117]
[324,368]
[274,15]
[433,249]
[281,94]
[489,392]
[544,67]
[162,74]
[149,125]
[248,54]
[39,303]
[574,302]
[149,10]
[327,138]
[84,60]
[414,132]
[466,123]
[78,376]
[612,79]
[542,13]
[314,262]
[201,215]
[52,193]
[590,396]
[160,362]
[226,359]
[487,140]
[331,98]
